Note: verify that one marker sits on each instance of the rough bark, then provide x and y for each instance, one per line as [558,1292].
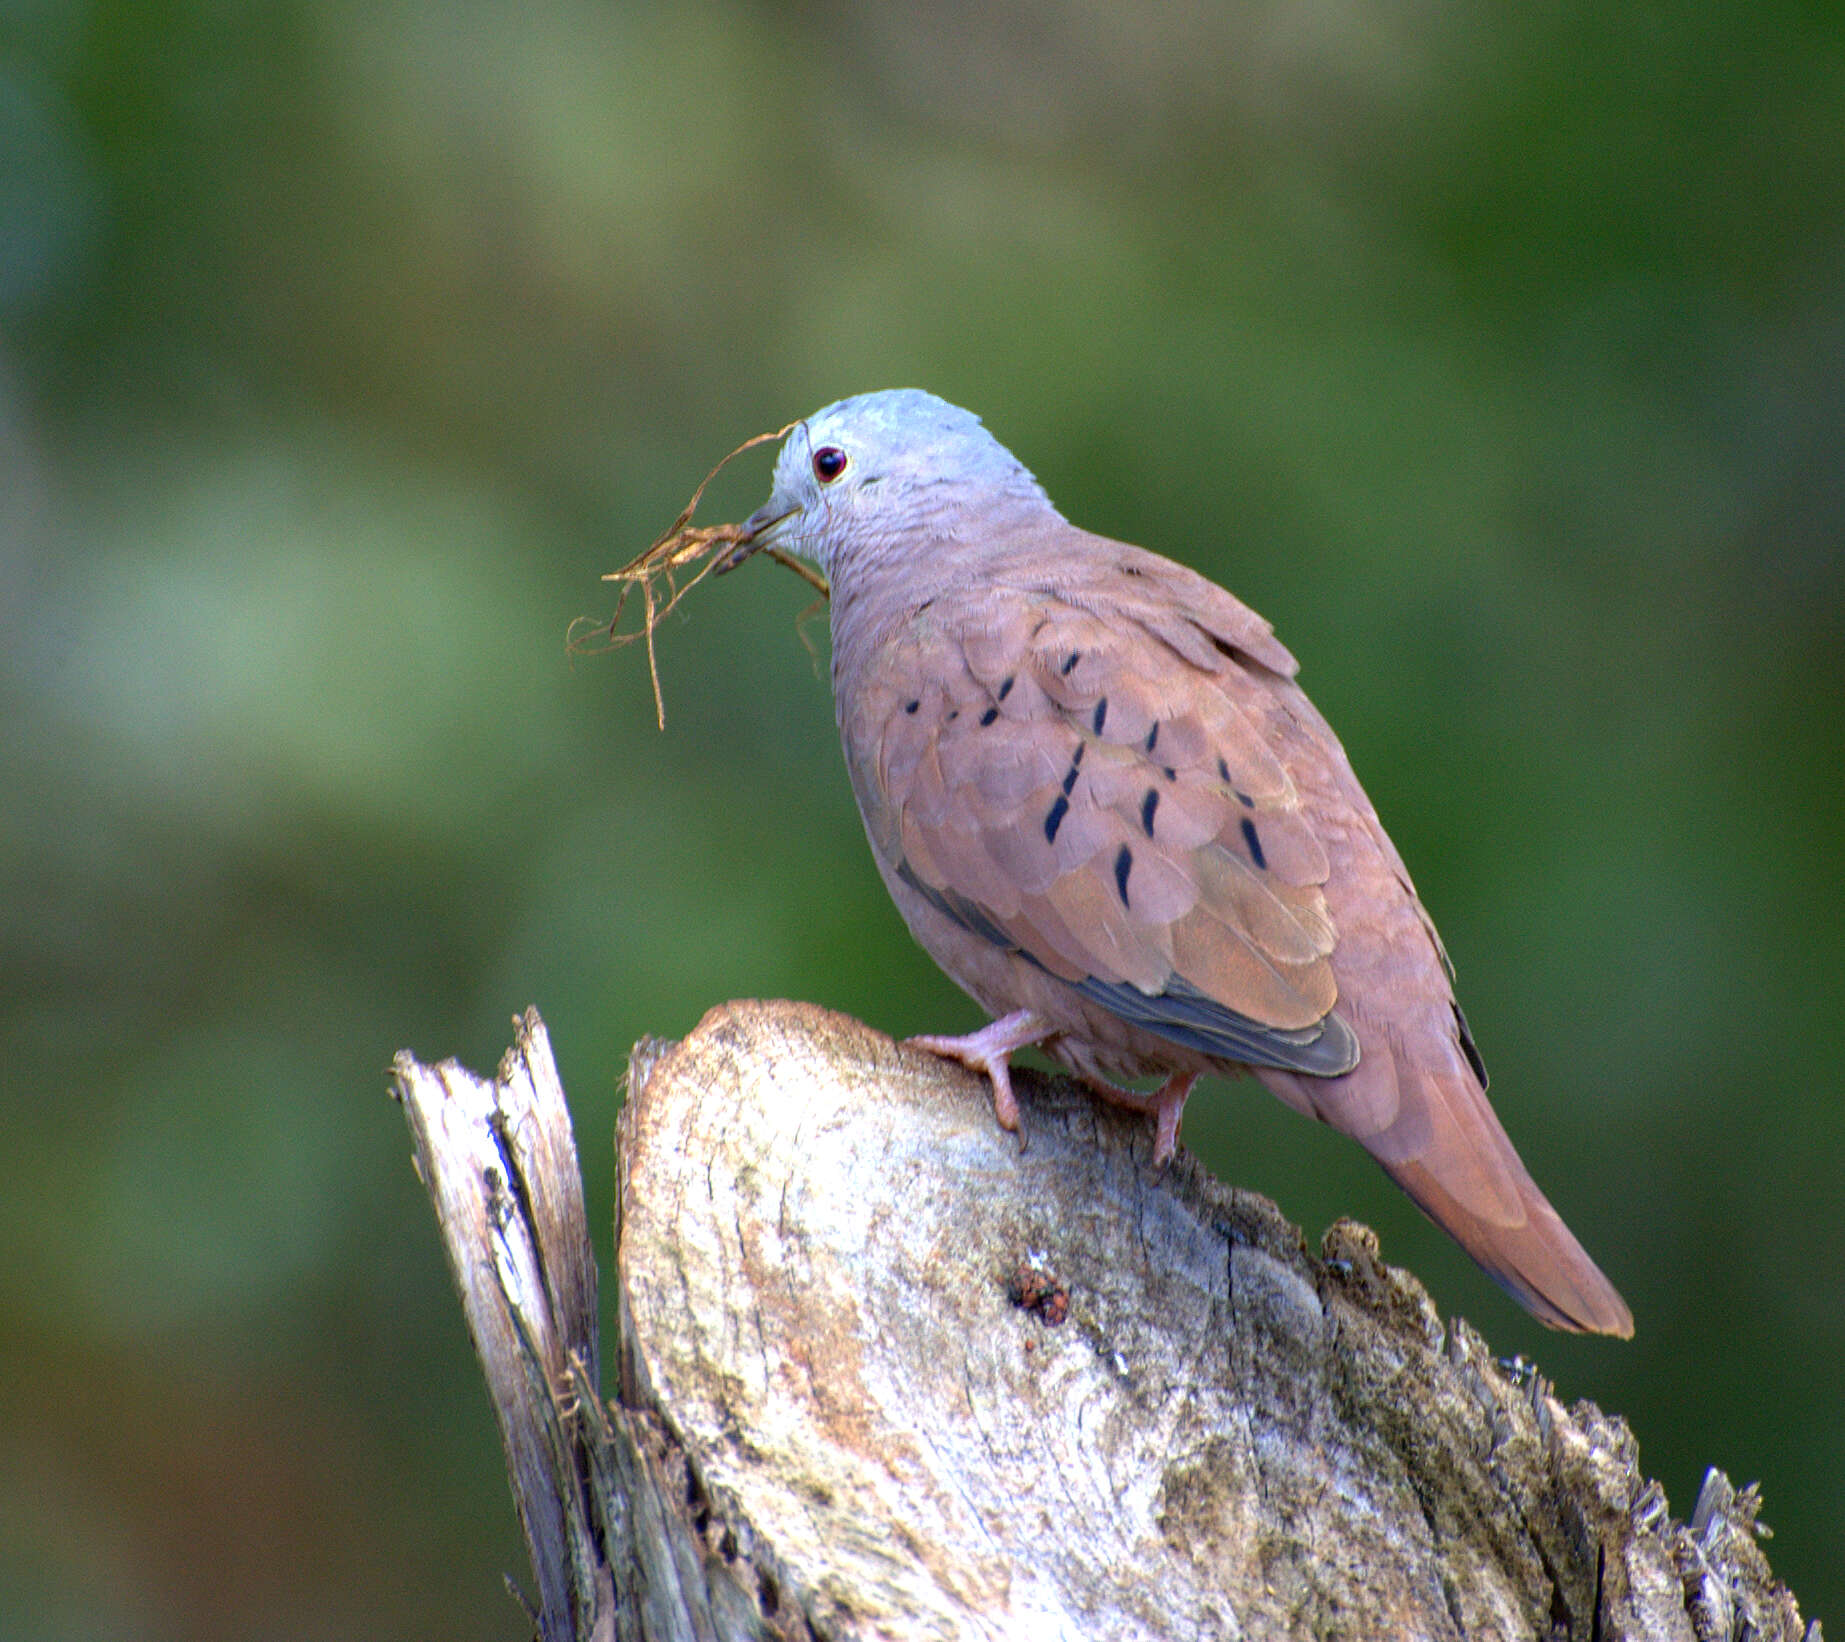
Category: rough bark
[885,1374]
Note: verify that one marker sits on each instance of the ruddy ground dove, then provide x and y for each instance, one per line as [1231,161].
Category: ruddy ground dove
[1102,803]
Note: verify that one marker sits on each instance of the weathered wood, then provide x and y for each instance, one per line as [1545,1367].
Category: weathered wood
[500,1164]
[884,1374]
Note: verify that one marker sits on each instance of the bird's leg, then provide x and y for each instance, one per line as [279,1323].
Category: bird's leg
[1166,1104]
[988,1051]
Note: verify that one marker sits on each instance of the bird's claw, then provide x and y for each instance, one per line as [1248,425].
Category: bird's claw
[989,1052]
[1166,1106]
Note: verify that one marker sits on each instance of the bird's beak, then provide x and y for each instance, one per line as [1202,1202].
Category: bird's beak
[758,532]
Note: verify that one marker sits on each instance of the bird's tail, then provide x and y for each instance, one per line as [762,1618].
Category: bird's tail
[1437,1137]
[1537,1260]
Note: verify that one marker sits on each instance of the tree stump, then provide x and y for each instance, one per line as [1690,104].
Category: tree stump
[885,1373]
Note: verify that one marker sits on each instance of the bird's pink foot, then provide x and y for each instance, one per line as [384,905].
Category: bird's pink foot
[988,1051]
[1165,1104]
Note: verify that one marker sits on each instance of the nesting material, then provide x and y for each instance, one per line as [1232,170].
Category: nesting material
[677,561]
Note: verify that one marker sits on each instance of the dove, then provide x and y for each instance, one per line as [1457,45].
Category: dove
[1103,804]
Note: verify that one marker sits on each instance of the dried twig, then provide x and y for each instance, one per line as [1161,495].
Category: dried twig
[656,573]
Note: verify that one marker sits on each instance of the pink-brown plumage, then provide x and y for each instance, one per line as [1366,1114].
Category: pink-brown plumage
[1103,804]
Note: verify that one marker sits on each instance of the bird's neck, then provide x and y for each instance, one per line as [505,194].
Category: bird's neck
[882,582]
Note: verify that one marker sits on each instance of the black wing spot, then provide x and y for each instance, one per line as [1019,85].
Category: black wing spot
[988,716]
[1147,806]
[1153,736]
[1005,688]
[1070,661]
[1124,864]
[911,706]
[1254,843]
[1170,773]
[1223,774]
[1054,819]
[1101,714]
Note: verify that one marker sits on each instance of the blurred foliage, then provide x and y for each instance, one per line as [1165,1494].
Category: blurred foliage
[1496,354]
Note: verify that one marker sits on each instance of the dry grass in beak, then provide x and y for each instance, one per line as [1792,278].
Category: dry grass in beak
[681,547]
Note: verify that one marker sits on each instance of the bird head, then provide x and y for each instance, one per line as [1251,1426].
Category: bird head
[877,469]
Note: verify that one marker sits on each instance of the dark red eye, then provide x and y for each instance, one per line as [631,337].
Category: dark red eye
[829,463]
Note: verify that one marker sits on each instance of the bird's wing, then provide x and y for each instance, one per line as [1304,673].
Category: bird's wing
[1070,769]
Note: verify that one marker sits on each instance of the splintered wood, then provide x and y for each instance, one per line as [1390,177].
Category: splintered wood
[656,574]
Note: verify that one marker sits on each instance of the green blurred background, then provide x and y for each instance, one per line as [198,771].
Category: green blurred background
[1496,354]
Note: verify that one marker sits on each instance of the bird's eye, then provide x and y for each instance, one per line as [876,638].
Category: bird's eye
[829,463]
